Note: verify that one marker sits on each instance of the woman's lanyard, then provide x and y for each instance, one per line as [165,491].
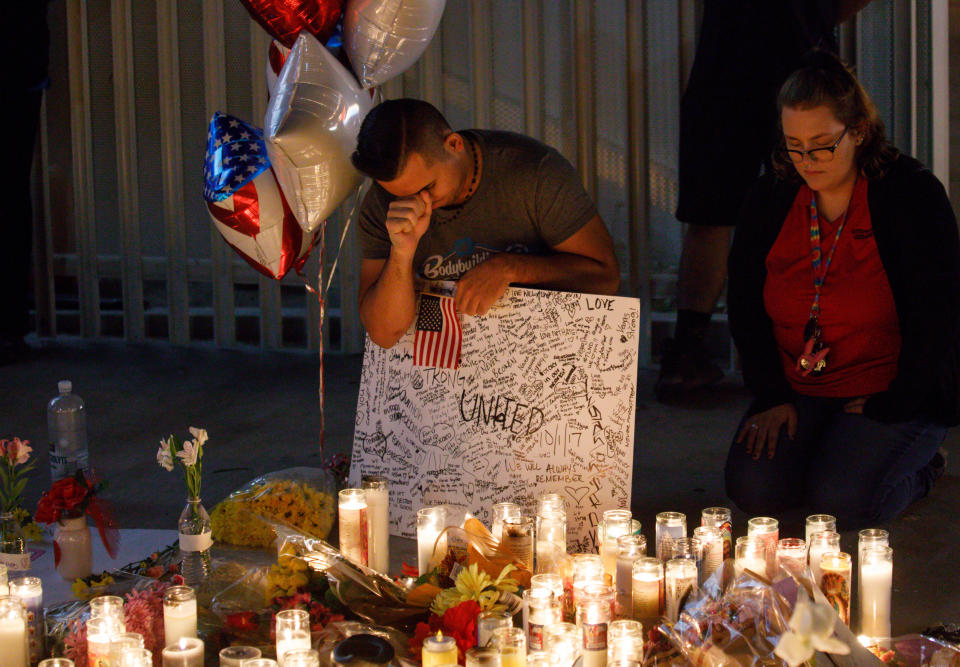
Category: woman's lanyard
[813,361]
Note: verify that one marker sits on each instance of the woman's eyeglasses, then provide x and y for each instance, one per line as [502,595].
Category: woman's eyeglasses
[822,154]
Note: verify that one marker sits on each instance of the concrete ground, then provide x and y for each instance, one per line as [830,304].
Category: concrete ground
[261,411]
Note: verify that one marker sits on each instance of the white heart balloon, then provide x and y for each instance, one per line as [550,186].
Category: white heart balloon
[311,128]
[384,38]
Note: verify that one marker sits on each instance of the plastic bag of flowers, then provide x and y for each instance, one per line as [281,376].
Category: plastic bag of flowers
[746,620]
[302,499]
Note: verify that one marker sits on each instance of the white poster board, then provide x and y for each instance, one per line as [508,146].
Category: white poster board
[544,401]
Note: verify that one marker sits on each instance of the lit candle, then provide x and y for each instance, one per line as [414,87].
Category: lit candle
[680,578]
[488,622]
[540,609]
[179,614]
[594,613]
[551,531]
[517,539]
[260,662]
[58,662]
[550,581]
[440,650]
[767,529]
[482,656]
[430,546]
[625,639]
[631,547]
[711,550]
[563,642]
[293,631]
[820,543]
[836,569]
[301,657]
[586,569]
[868,538]
[648,591]
[135,657]
[539,659]
[4,588]
[236,656]
[512,644]
[502,512]
[121,642]
[100,633]
[378,515]
[30,592]
[614,524]
[551,501]
[670,526]
[13,633]
[186,652]
[353,525]
[792,555]
[722,518]
[817,523]
[876,584]
[688,548]
[108,606]
[750,554]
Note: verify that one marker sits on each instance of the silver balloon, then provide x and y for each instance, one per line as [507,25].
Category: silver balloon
[311,129]
[383,38]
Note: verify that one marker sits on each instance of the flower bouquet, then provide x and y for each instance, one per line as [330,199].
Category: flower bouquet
[15,463]
[73,498]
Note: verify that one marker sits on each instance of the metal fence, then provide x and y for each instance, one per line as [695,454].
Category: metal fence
[124,247]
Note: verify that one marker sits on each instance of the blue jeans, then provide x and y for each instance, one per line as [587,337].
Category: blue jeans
[860,470]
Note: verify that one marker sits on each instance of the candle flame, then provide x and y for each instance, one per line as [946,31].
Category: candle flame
[439,635]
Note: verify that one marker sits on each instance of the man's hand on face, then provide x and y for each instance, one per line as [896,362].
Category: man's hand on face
[480,287]
[407,220]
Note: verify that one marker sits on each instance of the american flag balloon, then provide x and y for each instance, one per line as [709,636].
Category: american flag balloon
[245,201]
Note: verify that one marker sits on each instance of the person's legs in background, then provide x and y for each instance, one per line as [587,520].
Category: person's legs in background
[866,472]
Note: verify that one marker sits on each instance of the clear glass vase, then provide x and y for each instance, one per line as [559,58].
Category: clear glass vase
[13,546]
[196,539]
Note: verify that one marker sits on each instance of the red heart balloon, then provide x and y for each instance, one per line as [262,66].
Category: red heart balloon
[284,19]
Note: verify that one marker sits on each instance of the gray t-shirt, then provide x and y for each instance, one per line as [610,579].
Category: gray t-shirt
[528,200]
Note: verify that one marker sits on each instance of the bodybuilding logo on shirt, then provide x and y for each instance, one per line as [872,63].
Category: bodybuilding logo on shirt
[465,256]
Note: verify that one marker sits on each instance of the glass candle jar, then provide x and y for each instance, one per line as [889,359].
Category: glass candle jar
[711,550]
[670,526]
[614,524]
[820,543]
[817,523]
[483,656]
[564,643]
[260,662]
[630,548]
[625,643]
[792,555]
[517,539]
[869,538]
[110,606]
[354,525]
[100,632]
[594,614]
[56,662]
[551,501]
[301,657]
[236,656]
[688,548]
[540,609]
[186,652]
[179,614]
[586,569]
[30,592]
[439,650]
[680,577]
[13,632]
[512,644]
[431,544]
[488,622]
[551,532]
[552,582]
[4,586]
[836,570]
[751,554]
[722,518]
[876,584]
[539,659]
[648,591]
[292,630]
[768,529]
[378,519]
[500,513]
[135,657]
[121,642]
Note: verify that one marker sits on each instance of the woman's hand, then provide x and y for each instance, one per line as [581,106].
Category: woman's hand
[763,429]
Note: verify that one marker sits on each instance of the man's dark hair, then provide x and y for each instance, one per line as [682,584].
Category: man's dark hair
[392,131]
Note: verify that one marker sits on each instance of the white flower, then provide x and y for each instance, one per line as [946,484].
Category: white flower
[200,434]
[812,630]
[188,455]
[163,455]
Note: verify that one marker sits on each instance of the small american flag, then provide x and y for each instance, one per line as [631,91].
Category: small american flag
[438,337]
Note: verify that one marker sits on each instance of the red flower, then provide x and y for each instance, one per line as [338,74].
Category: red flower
[67,497]
[421,632]
[460,622]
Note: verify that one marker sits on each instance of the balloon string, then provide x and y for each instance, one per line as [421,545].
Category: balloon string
[343,236]
[321,297]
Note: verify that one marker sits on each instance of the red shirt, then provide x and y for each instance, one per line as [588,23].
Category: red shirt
[857,312]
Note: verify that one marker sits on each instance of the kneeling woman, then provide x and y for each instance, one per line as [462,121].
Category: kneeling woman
[844,301]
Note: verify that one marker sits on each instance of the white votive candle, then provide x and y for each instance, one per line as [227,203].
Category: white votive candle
[4,588]
[353,525]
[235,656]
[836,570]
[614,524]
[378,516]
[630,548]
[750,554]
[670,526]
[430,523]
[540,609]
[680,577]
[711,544]
[186,652]
[30,592]
[817,523]
[440,650]
[825,541]
[500,513]
[13,633]
[767,529]
[876,584]
[594,614]
[100,633]
[293,631]
[179,614]
[648,591]
[722,518]
[551,532]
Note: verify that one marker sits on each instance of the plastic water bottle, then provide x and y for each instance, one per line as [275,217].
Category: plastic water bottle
[67,427]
